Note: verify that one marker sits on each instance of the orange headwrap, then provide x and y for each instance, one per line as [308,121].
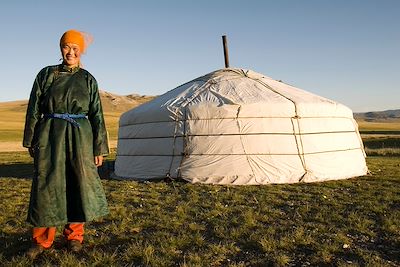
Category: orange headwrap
[76,37]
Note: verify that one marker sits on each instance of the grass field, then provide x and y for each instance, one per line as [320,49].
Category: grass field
[383,125]
[12,121]
[351,222]
[13,118]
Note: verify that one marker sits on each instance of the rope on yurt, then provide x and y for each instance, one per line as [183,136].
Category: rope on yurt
[359,137]
[184,142]
[183,105]
[258,154]
[168,174]
[228,134]
[296,117]
[300,153]
[243,147]
[250,117]
[302,149]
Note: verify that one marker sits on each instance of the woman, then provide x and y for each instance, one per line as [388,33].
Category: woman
[66,135]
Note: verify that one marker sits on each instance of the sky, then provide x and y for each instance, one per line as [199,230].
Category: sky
[344,50]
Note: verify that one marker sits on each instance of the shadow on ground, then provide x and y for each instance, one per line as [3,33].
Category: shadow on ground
[106,169]
[15,244]
[25,170]
[17,170]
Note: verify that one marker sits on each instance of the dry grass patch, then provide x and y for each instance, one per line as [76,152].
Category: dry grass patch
[379,125]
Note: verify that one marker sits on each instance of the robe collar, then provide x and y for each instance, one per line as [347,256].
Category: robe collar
[65,68]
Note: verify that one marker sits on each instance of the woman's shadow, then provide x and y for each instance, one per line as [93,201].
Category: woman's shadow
[25,170]
[16,170]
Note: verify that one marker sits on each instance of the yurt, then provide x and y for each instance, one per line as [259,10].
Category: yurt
[236,126]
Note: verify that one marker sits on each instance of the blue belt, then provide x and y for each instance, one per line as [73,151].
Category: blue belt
[66,116]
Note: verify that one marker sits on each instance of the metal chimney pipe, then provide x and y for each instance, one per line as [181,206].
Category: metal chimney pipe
[226,56]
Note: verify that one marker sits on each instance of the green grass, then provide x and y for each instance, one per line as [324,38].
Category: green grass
[383,142]
[390,152]
[381,145]
[351,222]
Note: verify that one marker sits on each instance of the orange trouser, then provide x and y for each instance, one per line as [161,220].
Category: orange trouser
[44,236]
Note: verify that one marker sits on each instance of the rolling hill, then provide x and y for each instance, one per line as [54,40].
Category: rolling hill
[13,117]
[117,103]
[379,115]
[379,121]
[111,102]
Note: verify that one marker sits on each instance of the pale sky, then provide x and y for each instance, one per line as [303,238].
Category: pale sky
[344,50]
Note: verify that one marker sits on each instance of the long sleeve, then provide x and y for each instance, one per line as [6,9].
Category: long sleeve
[33,113]
[96,118]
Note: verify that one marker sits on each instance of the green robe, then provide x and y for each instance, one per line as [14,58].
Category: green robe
[66,186]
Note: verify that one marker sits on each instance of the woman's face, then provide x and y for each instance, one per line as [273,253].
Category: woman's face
[71,54]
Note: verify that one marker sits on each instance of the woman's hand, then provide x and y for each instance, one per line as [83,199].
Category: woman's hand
[98,161]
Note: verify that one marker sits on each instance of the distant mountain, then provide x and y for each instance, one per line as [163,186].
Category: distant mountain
[393,114]
[117,103]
